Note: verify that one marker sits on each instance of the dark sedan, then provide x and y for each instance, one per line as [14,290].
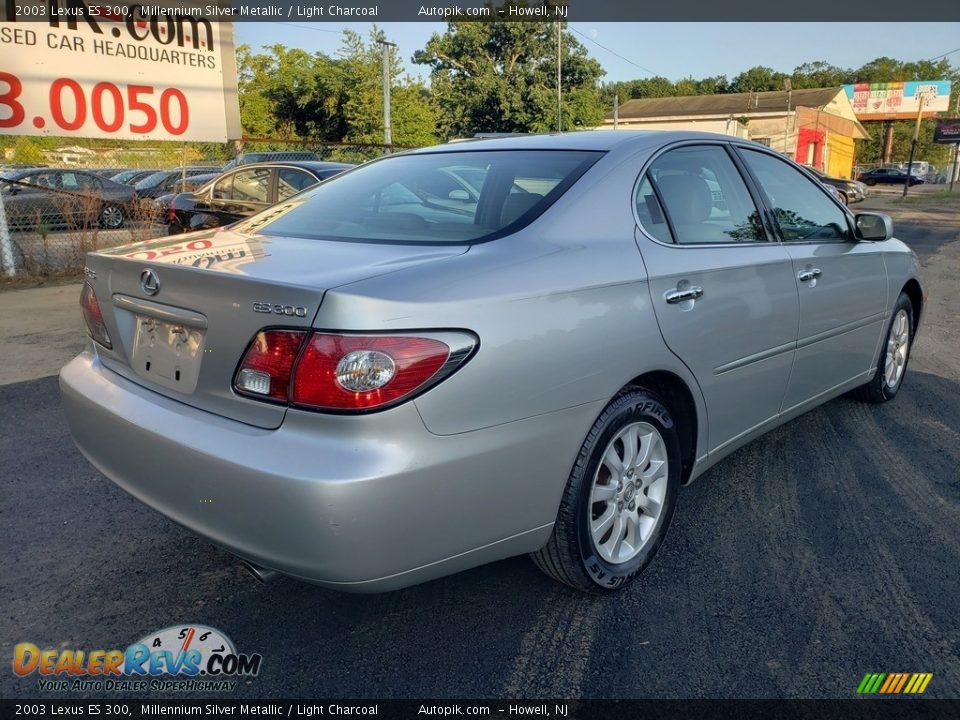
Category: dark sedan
[888,176]
[64,198]
[244,191]
[849,191]
[163,182]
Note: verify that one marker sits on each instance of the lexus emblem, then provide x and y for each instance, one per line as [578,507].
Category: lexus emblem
[149,282]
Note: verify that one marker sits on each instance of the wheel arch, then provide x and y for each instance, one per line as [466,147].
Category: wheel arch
[913,291]
[680,401]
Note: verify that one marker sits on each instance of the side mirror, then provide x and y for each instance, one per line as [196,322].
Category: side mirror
[460,195]
[874,226]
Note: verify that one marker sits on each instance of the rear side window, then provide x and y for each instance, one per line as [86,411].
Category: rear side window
[702,196]
[244,186]
[450,197]
[803,210]
[290,181]
[650,212]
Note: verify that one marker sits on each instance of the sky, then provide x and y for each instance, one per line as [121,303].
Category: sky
[629,51]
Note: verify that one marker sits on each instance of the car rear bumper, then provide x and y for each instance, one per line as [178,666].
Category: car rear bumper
[361,503]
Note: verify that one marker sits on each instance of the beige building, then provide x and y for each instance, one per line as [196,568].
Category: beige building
[815,127]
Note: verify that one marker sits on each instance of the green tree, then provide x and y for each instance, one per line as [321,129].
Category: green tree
[290,93]
[413,114]
[758,79]
[501,77]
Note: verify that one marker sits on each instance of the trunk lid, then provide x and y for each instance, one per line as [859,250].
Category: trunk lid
[181,311]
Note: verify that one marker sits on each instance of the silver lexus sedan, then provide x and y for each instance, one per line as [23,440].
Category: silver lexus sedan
[456,355]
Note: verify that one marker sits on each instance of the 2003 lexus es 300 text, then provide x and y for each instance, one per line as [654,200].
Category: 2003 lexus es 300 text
[468,352]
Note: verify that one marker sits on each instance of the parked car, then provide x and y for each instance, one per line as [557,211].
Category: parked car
[131,177]
[888,176]
[849,191]
[162,182]
[59,198]
[249,159]
[244,191]
[367,389]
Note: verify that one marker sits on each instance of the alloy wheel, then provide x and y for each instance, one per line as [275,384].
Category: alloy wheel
[898,345]
[628,493]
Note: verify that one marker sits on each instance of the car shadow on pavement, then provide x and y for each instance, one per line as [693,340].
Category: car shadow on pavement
[795,564]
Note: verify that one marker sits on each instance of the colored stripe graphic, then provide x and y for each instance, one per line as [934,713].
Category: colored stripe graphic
[894,683]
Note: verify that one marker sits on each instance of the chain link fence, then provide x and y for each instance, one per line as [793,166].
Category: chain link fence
[62,201]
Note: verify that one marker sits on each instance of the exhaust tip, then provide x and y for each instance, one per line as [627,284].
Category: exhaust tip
[261,574]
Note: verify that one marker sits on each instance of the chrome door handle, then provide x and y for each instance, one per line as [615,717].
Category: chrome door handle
[678,296]
[806,275]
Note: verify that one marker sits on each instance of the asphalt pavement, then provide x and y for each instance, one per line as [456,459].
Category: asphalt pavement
[827,549]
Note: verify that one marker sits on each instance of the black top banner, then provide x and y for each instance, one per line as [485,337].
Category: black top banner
[506,709]
[72,11]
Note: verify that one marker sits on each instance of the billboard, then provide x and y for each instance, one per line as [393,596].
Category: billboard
[947,131]
[898,100]
[125,72]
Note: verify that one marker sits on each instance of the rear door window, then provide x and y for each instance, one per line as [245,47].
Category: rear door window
[703,197]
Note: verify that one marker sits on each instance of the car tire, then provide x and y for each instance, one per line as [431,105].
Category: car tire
[175,228]
[112,217]
[845,198]
[870,183]
[894,356]
[581,552]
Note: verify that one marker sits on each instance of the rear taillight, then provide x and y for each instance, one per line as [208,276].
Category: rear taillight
[347,372]
[93,316]
[268,364]
[359,372]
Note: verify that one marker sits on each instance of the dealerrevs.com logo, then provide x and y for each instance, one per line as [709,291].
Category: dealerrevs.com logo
[181,658]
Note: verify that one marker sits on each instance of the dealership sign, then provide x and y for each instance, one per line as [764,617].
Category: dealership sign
[947,131]
[131,72]
[898,100]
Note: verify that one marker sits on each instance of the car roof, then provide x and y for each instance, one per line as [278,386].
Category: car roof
[315,165]
[596,140]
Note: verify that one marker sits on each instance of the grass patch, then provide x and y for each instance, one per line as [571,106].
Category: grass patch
[940,197]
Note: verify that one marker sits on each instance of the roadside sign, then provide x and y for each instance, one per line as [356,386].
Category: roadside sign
[137,72]
[898,100]
[947,131]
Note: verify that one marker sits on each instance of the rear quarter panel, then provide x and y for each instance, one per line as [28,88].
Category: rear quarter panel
[562,311]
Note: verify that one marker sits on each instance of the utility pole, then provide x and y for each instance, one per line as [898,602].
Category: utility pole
[956,150]
[387,130]
[913,147]
[788,86]
[559,87]
[616,111]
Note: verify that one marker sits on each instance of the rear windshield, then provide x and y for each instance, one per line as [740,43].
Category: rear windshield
[451,197]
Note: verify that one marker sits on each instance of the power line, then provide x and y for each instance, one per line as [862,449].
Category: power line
[951,52]
[613,52]
[311,27]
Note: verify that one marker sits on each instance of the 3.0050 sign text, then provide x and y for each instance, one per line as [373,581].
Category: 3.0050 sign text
[110,106]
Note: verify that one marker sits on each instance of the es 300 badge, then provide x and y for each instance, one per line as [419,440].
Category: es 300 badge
[178,658]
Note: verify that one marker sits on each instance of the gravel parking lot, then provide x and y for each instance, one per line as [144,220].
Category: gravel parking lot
[827,549]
